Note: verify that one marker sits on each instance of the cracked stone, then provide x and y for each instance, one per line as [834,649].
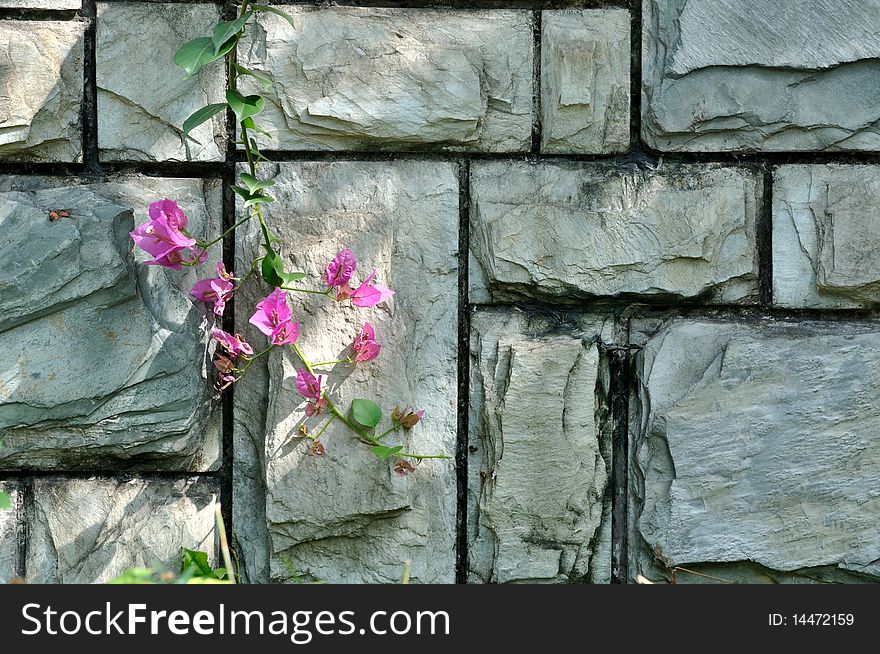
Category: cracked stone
[826,250]
[41,4]
[360,78]
[102,360]
[756,450]
[723,75]
[570,232]
[585,95]
[9,533]
[41,68]
[142,108]
[541,456]
[345,516]
[87,531]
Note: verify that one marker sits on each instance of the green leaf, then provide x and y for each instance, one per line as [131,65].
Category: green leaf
[366,412]
[258,199]
[253,184]
[226,29]
[200,116]
[136,576]
[384,451]
[244,106]
[272,270]
[264,80]
[195,54]
[277,12]
[197,562]
[250,124]
[5,502]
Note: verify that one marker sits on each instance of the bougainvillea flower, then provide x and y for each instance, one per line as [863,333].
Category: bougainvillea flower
[317,449]
[222,274]
[340,270]
[317,407]
[214,291]
[369,295]
[161,236]
[365,348]
[234,345]
[407,417]
[223,364]
[308,385]
[403,467]
[271,312]
[170,211]
[285,333]
[343,293]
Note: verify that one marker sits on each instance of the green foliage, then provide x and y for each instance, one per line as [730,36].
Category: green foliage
[200,116]
[196,54]
[196,564]
[385,451]
[275,11]
[262,79]
[244,106]
[225,30]
[366,413]
[5,502]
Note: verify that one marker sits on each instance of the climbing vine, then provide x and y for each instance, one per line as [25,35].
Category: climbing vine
[166,239]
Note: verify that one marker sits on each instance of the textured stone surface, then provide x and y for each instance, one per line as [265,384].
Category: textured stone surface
[573,231]
[41,85]
[9,534]
[102,360]
[826,246]
[746,75]
[41,4]
[352,78]
[540,451]
[346,516]
[142,107]
[90,530]
[758,443]
[585,93]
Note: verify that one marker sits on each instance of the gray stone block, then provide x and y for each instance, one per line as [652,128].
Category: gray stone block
[346,516]
[585,81]
[41,68]
[826,247]
[755,450]
[9,533]
[723,75]
[103,360]
[395,79]
[568,232]
[540,450]
[86,531]
[141,108]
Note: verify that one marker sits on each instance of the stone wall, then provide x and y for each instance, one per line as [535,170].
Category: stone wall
[637,269]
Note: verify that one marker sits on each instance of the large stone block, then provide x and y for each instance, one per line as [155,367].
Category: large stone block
[9,533]
[540,446]
[41,4]
[585,94]
[41,68]
[756,450]
[724,75]
[568,232]
[85,531]
[141,108]
[826,247]
[396,79]
[346,516]
[102,360]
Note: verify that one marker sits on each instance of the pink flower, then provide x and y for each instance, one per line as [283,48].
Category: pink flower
[235,345]
[215,291]
[272,312]
[340,270]
[316,408]
[161,236]
[308,385]
[222,274]
[285,333]
[365,348]
[402,468]
[369,295]
[407,417]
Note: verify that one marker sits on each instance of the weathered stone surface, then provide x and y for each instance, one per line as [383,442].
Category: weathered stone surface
[756,445]
[744,75]
[141,107]
[352,78]
[102,360]
[41,4]
[90,530]
[540,451]
[572,231]
[346,516]
[9,534]
[41,68]
[585,94]
[826,247]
